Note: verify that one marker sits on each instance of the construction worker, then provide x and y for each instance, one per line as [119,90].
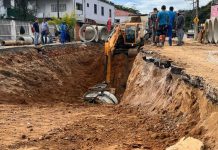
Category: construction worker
[153,27]
[45,31]
[63,30]
[162,25]
[109,25]
[172,17]
[36,31]
[180,23]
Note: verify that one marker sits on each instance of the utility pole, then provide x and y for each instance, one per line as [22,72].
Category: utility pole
[58,11]
[196,18]
[196,23]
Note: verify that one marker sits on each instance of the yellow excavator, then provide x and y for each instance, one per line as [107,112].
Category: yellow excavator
[125,38]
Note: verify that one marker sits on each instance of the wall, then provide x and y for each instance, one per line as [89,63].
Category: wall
[98,17]
[214,11]
[10,29]
[122,19]
[44,10]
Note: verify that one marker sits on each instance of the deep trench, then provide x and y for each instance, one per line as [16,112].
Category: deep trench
[65,73]
[59,74]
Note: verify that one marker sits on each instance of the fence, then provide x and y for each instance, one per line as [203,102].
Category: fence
[10,29]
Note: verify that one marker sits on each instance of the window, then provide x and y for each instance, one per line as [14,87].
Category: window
[62,8]
[79,6]
[102,11]
[87,4]
[110,13]
[117,20]
[95,9]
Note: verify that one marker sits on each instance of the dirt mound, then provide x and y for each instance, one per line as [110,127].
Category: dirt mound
[62,73]
[157,91]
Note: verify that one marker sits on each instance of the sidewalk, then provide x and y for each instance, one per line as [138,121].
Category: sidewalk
[197,59]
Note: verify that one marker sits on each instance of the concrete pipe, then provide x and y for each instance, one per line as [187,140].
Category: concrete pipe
[215,30]
[8,42]
[88,33]
[210,31]
[102,33]
[27,39]
[104,97]
[206,30]
[14,43]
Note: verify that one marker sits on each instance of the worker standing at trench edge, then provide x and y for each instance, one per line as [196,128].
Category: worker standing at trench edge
[45,31]
[162,25]
[153,27]
[36,31]
[63,30]
[180,23]
[172,17]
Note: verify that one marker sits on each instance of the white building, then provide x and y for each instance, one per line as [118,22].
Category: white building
[122,16]
[95,10]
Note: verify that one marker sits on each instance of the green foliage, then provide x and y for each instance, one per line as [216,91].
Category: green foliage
[21,11]
[70,20]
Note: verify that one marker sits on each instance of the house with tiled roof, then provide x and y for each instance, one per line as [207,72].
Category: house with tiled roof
[122,16]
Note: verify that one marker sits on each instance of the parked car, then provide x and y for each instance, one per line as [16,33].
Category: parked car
[190,34]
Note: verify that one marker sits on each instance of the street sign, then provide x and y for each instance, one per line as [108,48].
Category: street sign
[196,20]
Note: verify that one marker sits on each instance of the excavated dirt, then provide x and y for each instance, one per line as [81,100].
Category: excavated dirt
[41,106]
[59,74]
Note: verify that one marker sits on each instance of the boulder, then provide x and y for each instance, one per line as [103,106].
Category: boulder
[187,144]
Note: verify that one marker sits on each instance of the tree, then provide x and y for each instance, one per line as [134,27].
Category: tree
[70,20]
[21,11]
[204,13]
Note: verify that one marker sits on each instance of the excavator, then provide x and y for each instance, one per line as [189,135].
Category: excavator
[125,38]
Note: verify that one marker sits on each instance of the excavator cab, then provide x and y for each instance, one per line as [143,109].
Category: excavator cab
[130,34]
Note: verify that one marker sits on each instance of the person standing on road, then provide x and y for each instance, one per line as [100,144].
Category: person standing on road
[63,30]
[172,17]
[45,31]
[162,24]
[36,31]
[180,22]
[153,27]
[109,25]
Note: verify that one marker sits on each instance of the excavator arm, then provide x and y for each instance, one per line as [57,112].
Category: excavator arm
[109,50]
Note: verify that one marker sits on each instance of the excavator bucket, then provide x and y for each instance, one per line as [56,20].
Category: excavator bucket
[132,52]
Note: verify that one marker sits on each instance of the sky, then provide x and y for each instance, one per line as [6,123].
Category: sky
[146,6]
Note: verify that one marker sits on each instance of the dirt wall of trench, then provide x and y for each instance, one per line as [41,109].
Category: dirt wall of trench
[56,74]
[185,108]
